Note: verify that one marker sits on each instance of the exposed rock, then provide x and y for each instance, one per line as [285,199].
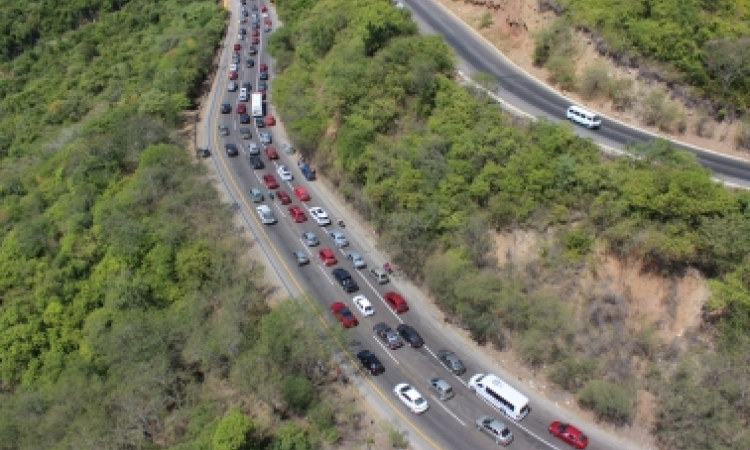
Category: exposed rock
[549,5]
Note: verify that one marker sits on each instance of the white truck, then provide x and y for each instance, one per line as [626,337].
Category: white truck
[257,104]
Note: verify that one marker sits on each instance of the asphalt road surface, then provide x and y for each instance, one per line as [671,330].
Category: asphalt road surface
[445,425]
[531,96]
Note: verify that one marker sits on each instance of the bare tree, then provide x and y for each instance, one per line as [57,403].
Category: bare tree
[728,60]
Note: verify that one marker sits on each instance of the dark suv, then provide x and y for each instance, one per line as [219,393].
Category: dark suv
[345,280]
[410,335]
[370,362]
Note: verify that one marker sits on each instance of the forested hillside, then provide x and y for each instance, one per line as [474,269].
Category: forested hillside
[705,40]
[437,168]
[130,316]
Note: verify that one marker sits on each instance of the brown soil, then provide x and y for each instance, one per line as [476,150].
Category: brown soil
[512,29]
[672,306]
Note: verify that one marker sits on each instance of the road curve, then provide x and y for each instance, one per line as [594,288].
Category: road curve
[528,94]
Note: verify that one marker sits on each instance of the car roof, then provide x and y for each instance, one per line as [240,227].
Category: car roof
[264,208]
[440,382]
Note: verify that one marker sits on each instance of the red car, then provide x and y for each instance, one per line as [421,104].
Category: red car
[263,8]
[301,194]
[297,214]
[255,40]
[232,75]
[270,120]
[344,315]
[256,32]
[267,21]
[270,181]
[262,67]
[396,302]
[237,47]
[284,198]
[241,108]
[327,256]
[271,152]
[569,434]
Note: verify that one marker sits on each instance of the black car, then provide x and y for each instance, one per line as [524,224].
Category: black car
[256,162]
[254,8]
[247,86]
[243,30]
[231,149]
[262,86]
[226,108]
[410,335]
[249,63]
[345,280]
[252,50]
[244,118]
[259,122]
[263,75]
[370,362]
[246,133]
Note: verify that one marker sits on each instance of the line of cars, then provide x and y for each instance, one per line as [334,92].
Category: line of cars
[392,339]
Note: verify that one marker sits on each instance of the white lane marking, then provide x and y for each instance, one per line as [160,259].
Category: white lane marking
[381,298]
[257,175]
[447,410]
[307,249]
[326,275]
[386,350]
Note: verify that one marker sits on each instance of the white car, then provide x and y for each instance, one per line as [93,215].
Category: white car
[266,215]
[363,305]
[319,215]
[411,398]
[285,173]
[338,238]
[233,68]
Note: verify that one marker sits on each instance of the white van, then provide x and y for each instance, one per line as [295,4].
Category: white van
[243,95]
[583,117]
[500,395]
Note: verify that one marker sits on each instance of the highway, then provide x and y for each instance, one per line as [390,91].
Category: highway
[528,94]
[445,425]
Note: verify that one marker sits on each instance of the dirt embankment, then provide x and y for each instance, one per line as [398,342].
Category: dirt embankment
[620,305]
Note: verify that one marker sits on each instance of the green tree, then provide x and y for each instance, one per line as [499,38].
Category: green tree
[234,432]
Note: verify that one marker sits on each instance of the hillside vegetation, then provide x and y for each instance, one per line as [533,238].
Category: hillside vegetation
[130,317]
[705,40]
[437,168]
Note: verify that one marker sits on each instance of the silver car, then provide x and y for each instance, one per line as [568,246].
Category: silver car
[357,260]
[379,274]
[309,238]
[451,361]
[252,148]
[265,137]
[495,429]
[301,257]
[338,238]
[232,86]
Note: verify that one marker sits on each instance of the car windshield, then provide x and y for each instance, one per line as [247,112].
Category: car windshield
[505,433]
[419,401]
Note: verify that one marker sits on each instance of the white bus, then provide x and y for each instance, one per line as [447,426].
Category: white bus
[257,106]
[501,395]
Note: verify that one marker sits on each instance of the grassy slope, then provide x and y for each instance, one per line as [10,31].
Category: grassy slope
[671,31]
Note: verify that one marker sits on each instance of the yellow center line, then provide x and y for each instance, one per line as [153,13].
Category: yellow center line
[218,153]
